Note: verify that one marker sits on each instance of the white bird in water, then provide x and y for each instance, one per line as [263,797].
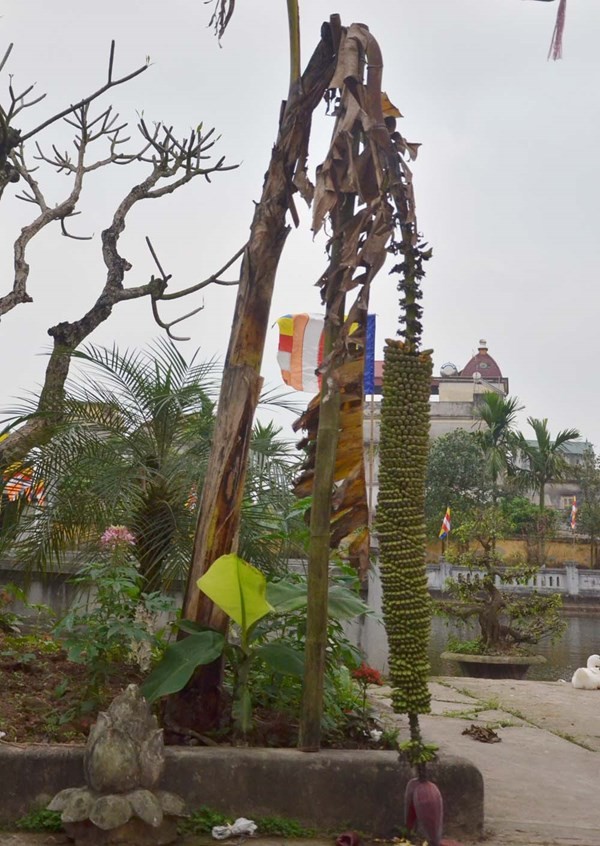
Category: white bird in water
[588,678]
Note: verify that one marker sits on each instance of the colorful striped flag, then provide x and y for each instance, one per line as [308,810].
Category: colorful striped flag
[301,350]
[21,484]
[300,353]
[574,514]
[446,525]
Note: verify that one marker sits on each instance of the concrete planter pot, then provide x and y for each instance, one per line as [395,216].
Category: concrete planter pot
[493,666]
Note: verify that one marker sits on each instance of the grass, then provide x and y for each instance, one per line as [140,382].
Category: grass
[572,739]
[201,821]
[40,820]
[204,819]
[471,713]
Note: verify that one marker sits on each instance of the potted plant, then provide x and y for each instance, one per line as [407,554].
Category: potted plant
[511,620]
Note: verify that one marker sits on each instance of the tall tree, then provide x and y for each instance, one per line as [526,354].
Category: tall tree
[220,505]
[588,514]
[545,462]
[98,142]
[544,457]
[457,476]
[497,439]
[363,167]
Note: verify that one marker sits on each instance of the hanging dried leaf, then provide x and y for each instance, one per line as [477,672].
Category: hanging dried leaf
[366,158]
[388,108]
[221,16]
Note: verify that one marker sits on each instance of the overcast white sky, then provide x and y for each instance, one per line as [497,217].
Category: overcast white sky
[507,180]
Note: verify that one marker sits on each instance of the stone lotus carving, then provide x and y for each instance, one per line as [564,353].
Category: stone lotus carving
[123,761]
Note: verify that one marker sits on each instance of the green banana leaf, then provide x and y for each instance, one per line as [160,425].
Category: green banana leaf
[343,603]
[286,596]
[238,588]
[179,662]
[282,659]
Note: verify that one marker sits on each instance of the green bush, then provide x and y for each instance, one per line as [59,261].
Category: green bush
[40,820]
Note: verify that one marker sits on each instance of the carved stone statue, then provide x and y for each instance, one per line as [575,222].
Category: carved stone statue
[123,761]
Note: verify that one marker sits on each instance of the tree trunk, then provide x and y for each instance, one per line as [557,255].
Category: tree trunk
[221,499]
[542,532]
[40,427]
[318,562]
[320,512]
[489,616]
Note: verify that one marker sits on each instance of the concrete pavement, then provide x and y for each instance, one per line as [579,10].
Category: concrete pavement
[542,781]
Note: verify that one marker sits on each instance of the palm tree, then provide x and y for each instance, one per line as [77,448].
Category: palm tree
[133,450]
[545,457]
[498,438]
[545,463]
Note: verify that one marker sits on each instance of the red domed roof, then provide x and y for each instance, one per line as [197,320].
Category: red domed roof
[482,363]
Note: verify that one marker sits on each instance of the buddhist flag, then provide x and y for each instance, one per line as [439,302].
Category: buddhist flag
[574,514]
[21,484]
[300,353]
[301,350]
[446,525]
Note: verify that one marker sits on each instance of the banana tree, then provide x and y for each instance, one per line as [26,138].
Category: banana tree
[245,595]
[364,168]
[221,501]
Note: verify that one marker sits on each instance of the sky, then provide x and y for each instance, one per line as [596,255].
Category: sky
[507,180]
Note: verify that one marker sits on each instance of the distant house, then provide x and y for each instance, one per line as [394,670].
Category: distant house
[560,495]
[455,395]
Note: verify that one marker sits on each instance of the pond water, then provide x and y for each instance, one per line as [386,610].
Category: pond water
[581,639]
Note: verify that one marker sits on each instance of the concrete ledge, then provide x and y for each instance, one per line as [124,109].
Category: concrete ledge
[328,790]
[517,660]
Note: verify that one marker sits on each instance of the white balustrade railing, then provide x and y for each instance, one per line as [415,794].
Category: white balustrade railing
[568,580]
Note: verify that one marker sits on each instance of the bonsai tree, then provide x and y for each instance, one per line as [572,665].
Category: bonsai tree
[510,622]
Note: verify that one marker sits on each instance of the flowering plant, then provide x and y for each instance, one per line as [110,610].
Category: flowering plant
[116,536]
[365,676]
[114,618]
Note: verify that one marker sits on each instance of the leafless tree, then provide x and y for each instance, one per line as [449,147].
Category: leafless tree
[100,140]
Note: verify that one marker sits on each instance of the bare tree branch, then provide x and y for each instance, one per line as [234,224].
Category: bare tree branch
[171,157]
[63,229]
[178,294]
[4,59]
[110,83]
[171,163]
[211,280]
[11,137]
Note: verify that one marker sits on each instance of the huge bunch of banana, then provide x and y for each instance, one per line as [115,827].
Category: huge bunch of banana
[401,521]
